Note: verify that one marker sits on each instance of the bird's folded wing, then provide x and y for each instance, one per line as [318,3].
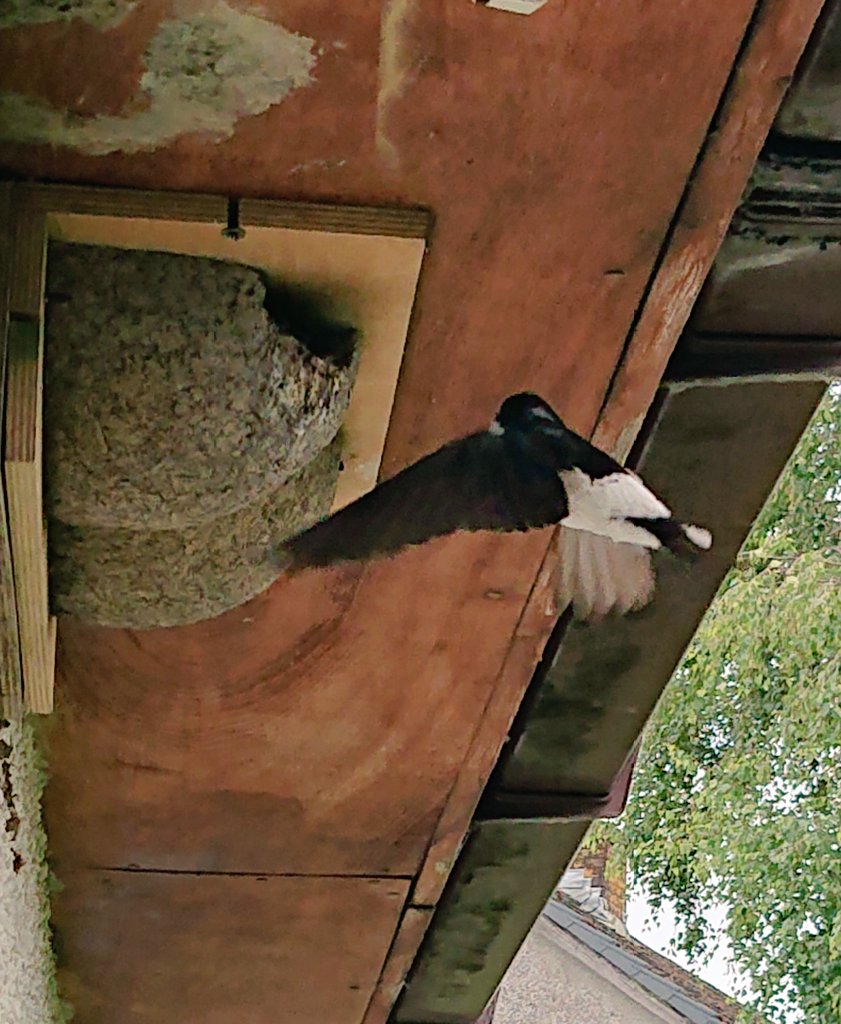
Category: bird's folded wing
[475,483]
[598,576]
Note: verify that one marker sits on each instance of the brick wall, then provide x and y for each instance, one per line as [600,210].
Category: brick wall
[607,873]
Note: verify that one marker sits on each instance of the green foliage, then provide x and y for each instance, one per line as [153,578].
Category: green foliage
[737,796]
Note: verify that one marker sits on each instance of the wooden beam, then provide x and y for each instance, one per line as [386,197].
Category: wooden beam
[24,492]
[761,76]
[11,682]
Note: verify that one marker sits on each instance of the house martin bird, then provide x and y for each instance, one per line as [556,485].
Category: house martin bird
[526,471]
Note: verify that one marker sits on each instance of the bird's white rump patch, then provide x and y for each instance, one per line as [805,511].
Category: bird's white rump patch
[602,506]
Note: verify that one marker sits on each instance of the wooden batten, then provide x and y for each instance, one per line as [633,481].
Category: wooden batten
[22,453]
[24,493]
[409,222]
[407,938]
[22,469]
[119,202]
[11,683]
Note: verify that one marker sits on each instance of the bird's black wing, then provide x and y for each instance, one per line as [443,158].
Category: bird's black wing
[481,482]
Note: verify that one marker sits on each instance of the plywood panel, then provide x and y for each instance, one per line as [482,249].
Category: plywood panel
[537,199]
[760,80]
[138,948]
[23,487]
[410,932]
[491,731]
[298,710]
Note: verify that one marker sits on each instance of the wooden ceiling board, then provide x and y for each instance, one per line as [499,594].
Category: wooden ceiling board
[169,744]
[355,713]
[140,948]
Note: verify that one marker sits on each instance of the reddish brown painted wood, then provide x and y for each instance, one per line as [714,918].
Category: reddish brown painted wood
[355,715]
[557,181]
[761,78]
[171,744]
[340,714]
[138,947]
[409,935]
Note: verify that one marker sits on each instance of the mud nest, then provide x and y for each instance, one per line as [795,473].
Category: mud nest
[184,430]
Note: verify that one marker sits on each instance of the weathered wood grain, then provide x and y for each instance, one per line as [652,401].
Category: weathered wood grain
[138,947]
[760,79]
[408,937]
[24,495]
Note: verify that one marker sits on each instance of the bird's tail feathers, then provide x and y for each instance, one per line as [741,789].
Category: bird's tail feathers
[598,576]
[682,539]
[697,536]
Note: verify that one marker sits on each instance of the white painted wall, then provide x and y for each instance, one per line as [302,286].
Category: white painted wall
[26,962]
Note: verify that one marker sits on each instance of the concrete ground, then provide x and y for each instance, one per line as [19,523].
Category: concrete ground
[554,980]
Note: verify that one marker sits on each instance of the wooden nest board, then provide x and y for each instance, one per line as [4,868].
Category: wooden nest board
[364,262]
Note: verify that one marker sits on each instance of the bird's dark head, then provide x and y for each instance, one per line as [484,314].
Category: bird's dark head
[527,413]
